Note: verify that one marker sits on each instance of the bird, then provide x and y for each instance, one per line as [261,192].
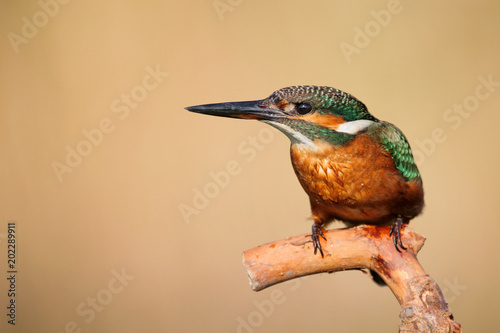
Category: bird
[355,168]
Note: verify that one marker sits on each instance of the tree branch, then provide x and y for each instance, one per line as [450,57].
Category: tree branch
[423,307]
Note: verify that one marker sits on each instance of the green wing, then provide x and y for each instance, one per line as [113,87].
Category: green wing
[394,141]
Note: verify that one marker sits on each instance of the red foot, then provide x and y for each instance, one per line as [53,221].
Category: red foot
[317,231]
[396,233]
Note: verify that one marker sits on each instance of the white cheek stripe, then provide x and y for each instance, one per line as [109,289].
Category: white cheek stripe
[294,136]
[353,127]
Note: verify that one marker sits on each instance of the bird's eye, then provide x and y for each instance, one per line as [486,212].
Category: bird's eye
[304,108]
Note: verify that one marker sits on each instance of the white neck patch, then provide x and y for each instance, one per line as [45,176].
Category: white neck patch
[354,127]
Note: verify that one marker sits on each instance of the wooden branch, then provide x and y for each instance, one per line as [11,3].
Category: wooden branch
[423,306]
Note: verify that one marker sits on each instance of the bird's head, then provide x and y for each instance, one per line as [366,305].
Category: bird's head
[304,113]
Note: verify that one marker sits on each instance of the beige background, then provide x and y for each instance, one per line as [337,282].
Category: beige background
[118,210]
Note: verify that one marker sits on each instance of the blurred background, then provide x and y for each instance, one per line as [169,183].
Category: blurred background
[125,218]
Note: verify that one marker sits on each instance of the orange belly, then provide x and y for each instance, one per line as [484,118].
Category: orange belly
[356,183]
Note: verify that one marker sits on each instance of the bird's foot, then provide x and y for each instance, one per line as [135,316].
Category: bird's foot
[396,233]
[317,231]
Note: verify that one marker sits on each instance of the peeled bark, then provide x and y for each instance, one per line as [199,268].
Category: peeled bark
[423,306]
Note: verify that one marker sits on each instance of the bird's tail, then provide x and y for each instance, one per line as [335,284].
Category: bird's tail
[378,279]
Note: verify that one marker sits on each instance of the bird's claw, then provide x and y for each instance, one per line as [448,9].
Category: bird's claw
[396,233]
[317,231]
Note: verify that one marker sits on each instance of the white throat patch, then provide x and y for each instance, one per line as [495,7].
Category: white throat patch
[294,136]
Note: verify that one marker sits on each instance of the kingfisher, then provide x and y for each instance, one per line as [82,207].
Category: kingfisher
[354,167]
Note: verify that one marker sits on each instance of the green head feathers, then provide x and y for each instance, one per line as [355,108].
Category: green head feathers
[326,100]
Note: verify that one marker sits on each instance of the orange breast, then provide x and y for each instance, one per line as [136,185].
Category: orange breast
[356,183]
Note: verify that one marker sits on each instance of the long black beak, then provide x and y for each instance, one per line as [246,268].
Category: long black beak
[244,110]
